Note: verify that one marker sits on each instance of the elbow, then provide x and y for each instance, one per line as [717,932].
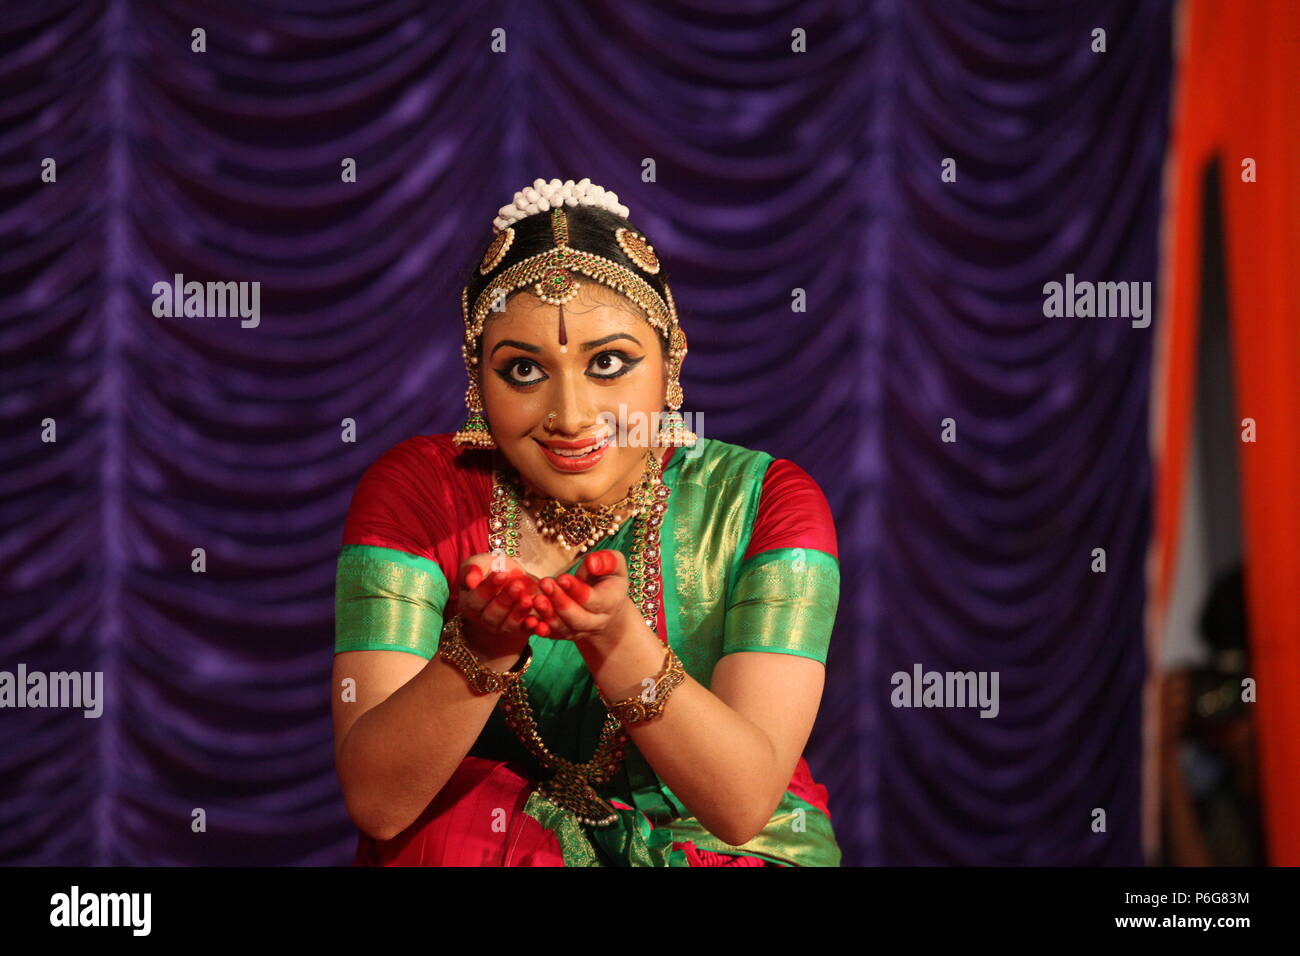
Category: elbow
[749,822]
[371,814]
[738,829]
[738,832]
[380,833]
[369,806]
[364,819]
[373,825]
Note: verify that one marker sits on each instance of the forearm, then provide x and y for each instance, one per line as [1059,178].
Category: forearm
[400,753]
[719,763]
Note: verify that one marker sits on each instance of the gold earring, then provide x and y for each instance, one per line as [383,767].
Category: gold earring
[475,433]
[672,429]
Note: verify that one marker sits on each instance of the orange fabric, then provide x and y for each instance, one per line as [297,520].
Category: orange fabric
[1238,73]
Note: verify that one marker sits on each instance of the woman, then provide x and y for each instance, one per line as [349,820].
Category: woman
[562,637]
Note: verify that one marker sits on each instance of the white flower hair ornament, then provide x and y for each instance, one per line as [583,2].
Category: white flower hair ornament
[542,196]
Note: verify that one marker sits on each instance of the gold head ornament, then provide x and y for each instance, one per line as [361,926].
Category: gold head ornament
[551,274]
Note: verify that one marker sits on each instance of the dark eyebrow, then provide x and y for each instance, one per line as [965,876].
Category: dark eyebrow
[516,344]
[586,346]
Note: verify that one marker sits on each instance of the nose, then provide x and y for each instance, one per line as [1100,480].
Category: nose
[575,413]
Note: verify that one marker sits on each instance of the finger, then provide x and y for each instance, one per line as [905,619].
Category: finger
[521,609]
[576,618]
[600,599]
[472,575]
[498,609]
[491,586]
[600,564]
[472,600]
[579,591]
[590,568]
[544,608]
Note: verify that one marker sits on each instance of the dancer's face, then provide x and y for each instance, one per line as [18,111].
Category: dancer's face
[613,357]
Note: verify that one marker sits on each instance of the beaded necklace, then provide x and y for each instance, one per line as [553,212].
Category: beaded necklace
[572,785]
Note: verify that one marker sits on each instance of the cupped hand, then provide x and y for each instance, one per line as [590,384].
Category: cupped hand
[496,605]
[594,603]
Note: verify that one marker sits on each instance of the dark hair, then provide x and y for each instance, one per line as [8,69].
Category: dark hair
[591,229]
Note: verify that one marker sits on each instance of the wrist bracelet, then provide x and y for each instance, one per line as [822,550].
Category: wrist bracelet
[482,680]
[649,704]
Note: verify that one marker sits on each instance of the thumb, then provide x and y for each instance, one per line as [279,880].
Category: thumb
[601,564]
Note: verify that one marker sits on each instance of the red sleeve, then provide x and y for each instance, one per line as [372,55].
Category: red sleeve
[398,503]
[792,513]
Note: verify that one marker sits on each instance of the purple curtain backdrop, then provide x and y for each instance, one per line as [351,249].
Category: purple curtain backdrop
[775,170]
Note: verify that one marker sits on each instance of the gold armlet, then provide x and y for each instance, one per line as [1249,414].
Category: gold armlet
[482,680]
[649,704]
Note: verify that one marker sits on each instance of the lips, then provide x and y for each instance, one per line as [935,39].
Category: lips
[566,457]
[574,449]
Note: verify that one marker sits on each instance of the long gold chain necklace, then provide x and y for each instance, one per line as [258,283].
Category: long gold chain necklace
[573,785]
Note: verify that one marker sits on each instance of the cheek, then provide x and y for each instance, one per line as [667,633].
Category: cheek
[504,402]
[648,388]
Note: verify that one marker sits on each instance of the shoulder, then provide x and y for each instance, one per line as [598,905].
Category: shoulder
[404,496]
[792,512]
[788,506]
[422,461]
[417,455]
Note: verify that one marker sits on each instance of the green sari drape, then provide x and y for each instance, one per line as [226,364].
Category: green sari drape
[716,601]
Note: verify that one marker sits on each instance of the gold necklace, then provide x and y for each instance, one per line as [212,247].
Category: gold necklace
[573,785]
[577,526]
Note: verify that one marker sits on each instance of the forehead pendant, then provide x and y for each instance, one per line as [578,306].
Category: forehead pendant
[557,285]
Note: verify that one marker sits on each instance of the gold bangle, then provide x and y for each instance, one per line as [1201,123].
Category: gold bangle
[482,680]
[649,704]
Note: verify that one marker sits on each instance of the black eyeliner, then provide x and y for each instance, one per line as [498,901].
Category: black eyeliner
[629,364]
